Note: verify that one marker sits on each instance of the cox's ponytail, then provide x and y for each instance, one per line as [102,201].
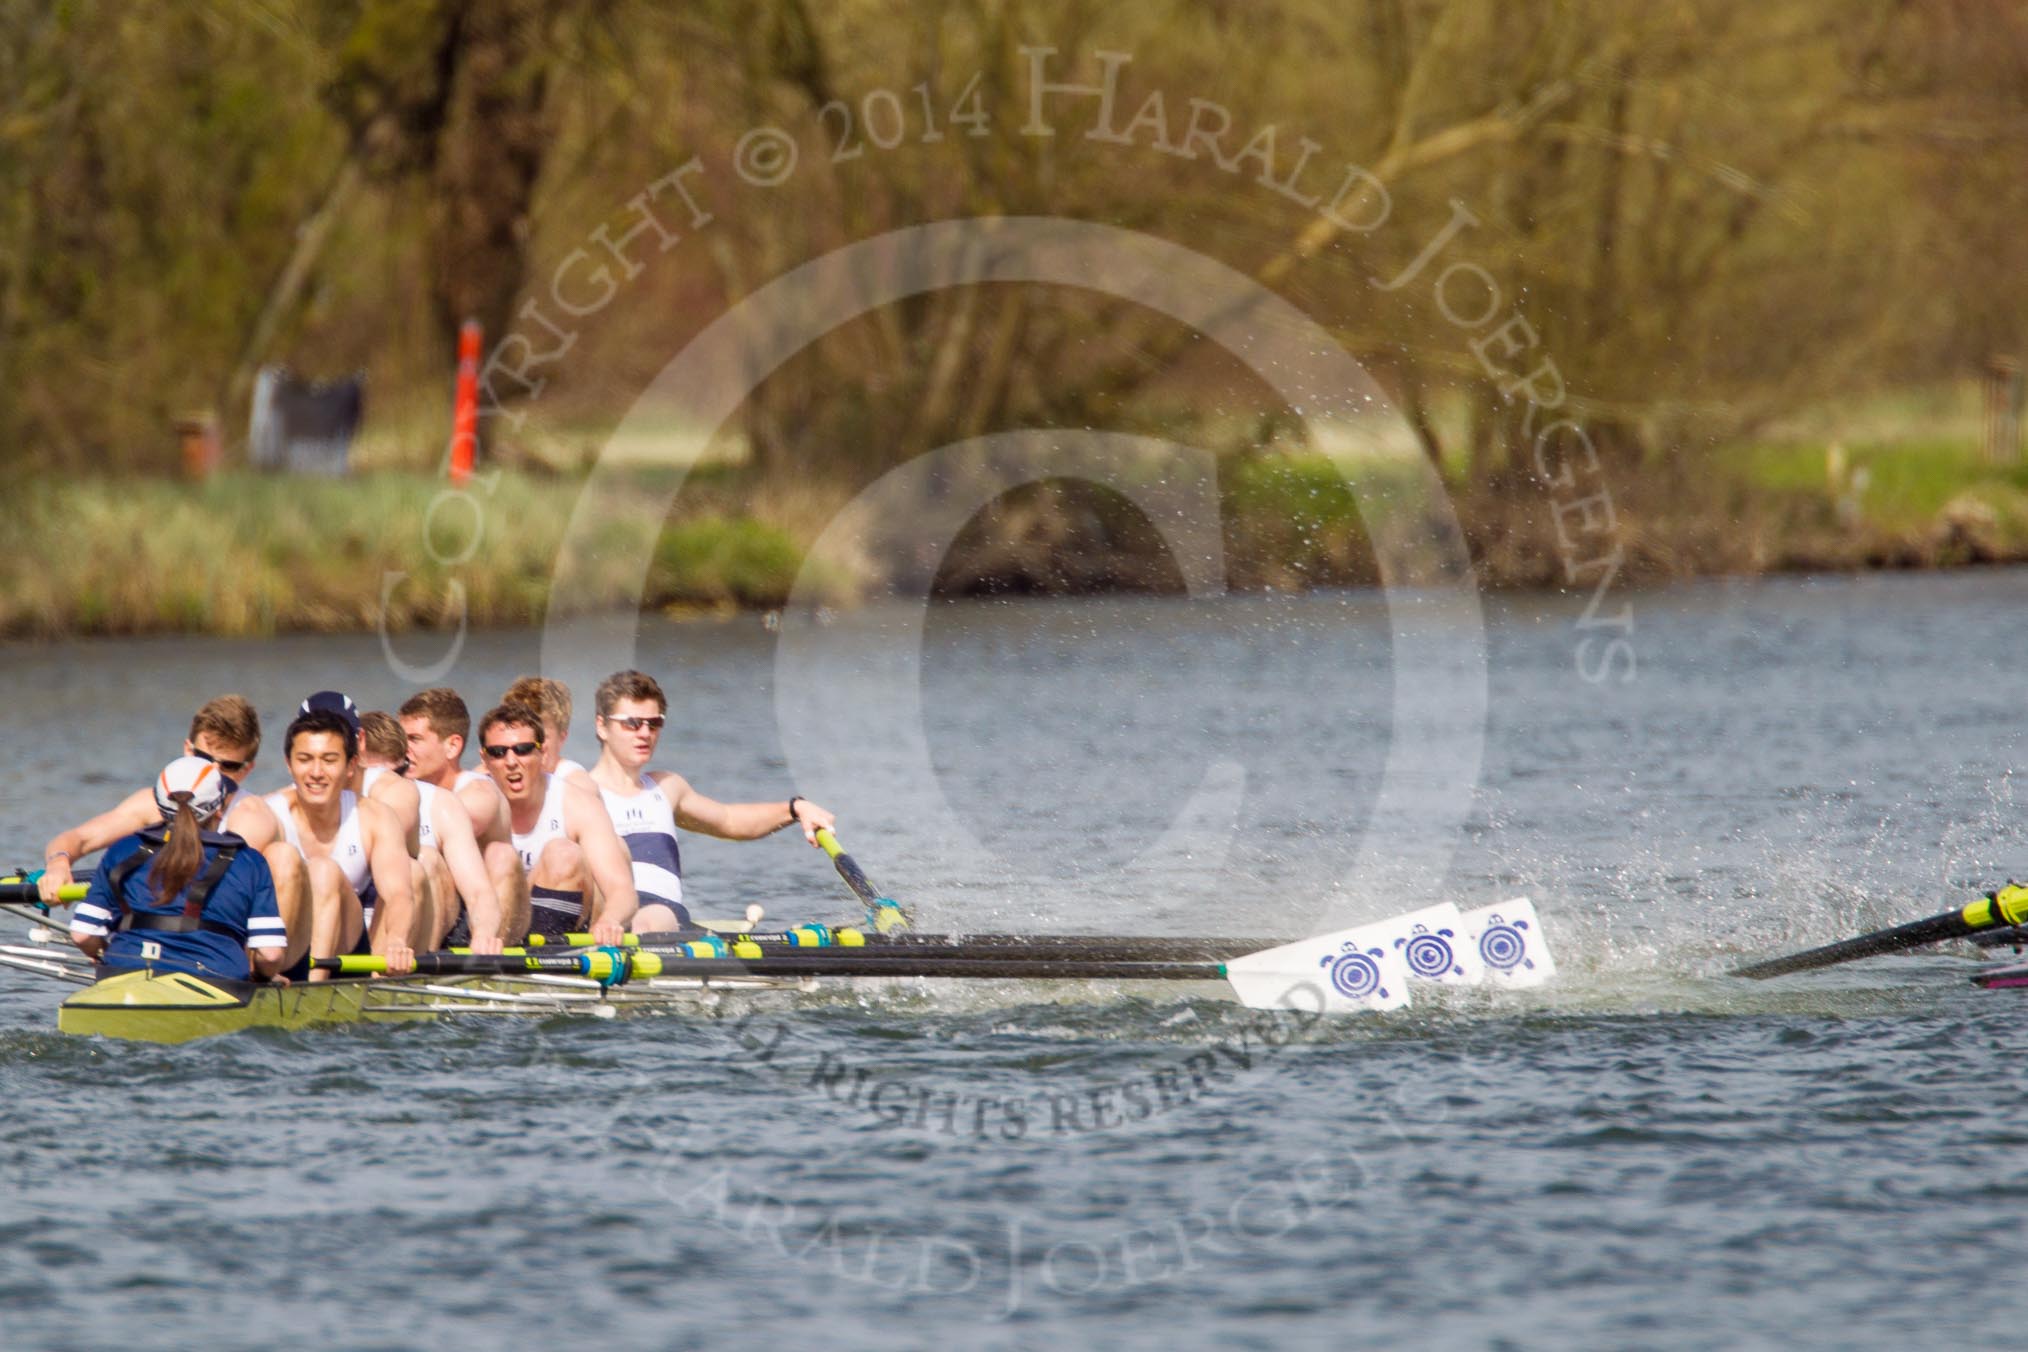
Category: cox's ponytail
[178,861]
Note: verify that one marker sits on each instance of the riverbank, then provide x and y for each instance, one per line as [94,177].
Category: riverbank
[252,554]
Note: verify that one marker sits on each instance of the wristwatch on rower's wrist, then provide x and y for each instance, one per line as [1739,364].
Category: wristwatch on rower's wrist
[794,799]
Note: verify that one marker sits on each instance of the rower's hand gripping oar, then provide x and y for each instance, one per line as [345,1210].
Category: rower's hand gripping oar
[884,914]
[2006,907]
[20,889]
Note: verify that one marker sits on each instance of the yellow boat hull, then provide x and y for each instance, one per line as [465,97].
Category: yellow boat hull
[169,1007]
[178,1007]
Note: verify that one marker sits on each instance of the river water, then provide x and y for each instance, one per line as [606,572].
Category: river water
[1644,1153]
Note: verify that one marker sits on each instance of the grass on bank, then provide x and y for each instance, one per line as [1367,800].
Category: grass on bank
[254,554]
[257,554]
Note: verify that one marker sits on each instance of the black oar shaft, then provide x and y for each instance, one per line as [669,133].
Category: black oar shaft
[2008,906]
[815,962]
[1007,947]
[1935,930]
[883,913]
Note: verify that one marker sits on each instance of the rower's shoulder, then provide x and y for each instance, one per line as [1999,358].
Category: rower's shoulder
[252,813]
[392,789]
[474,779]
[579,787]
[379,815]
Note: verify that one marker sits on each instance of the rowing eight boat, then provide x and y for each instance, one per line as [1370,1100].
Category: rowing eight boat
[1369,967]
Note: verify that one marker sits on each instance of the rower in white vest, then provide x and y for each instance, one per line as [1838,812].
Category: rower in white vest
[353,850]
[436,723]
[452,870]
[577,868]
[647,806]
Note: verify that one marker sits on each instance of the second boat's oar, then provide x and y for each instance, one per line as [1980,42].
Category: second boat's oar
[2008,906]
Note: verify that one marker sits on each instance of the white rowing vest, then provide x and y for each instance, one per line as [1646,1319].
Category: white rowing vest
[548,825]
[470,777]
[647,824]
[567,766]
[348,850]
[425,833]
[426,830]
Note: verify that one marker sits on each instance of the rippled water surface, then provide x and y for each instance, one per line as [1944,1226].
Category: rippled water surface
[1645,1153]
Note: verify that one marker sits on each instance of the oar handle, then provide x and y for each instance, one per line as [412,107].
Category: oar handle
[810,935]
[601,964]
[21,888]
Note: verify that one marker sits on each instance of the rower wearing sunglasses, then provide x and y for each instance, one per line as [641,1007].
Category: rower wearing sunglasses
[437,724]
[648,805]
[227,733]
[561,831]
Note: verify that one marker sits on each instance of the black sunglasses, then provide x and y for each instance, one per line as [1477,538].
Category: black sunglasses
[654,721]
[521,749]
[230,767]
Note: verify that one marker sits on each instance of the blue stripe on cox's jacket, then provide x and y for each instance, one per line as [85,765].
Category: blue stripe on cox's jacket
[239,913]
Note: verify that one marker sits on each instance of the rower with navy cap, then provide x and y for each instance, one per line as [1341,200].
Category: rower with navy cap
[331,701]
[354,850]
[181,896]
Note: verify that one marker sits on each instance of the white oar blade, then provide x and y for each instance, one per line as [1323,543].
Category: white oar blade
[1509,941]
[1433,944]
[1351,970]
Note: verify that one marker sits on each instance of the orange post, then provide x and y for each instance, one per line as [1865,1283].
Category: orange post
[197,434]
[465,409]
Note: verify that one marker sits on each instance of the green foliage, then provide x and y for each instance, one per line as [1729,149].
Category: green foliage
[254,554]
[1708,215]
[719,560]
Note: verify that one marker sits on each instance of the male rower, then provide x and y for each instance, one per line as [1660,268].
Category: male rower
[436,723]
[551,699]
[226,732]
[561,831]
[353,849]
[647,806]
[441,839]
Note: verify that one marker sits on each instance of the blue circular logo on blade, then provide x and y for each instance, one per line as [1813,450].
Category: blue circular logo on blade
[1428,955]
[1502,947]
[1355,976]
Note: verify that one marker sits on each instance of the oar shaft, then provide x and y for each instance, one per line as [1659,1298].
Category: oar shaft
[600,964]
[821,963]
[883,913]
[1095,947]
[2009,906]
[467,964]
